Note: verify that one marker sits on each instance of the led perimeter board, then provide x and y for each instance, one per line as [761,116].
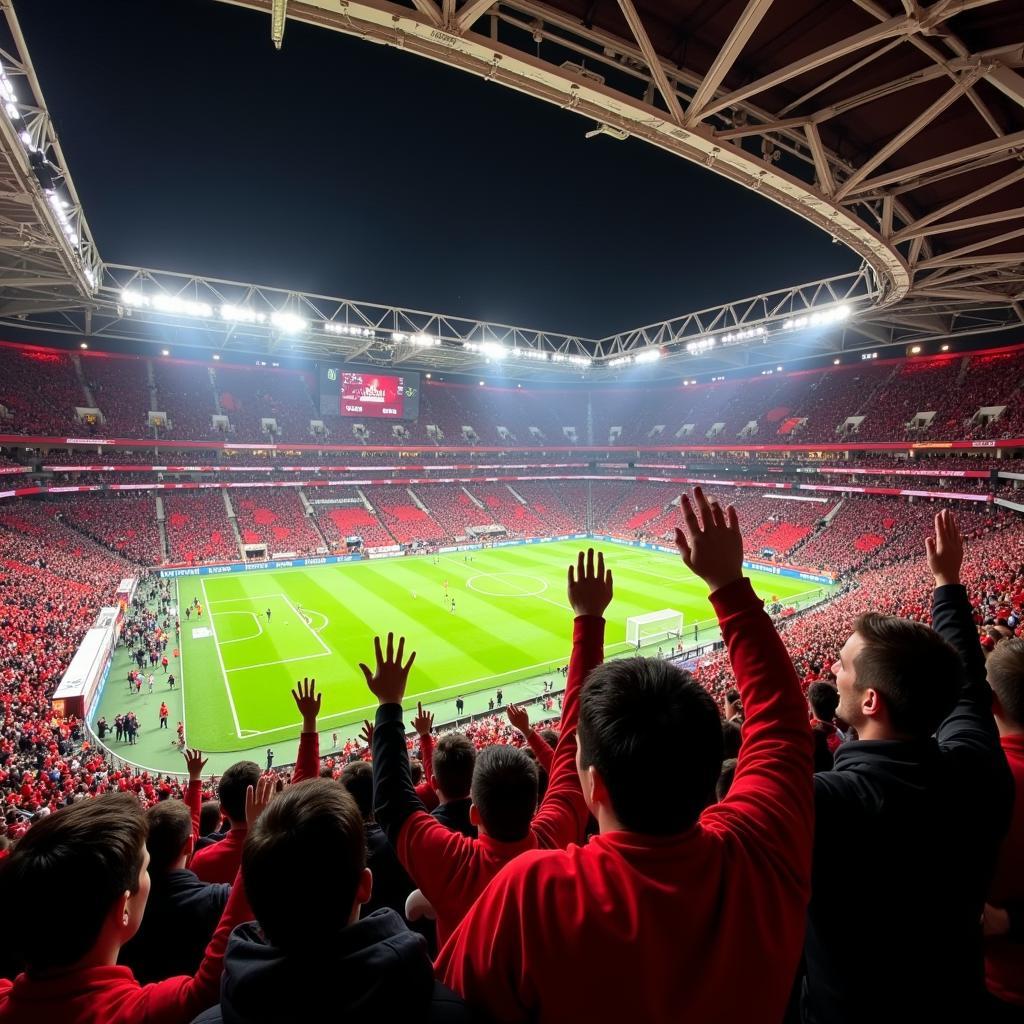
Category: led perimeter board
[365,391]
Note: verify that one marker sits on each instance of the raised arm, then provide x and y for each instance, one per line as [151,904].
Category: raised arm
[307,700]
[195,762]
[519,717]
[432,854]
[771,797]
[970,727]
[182,998]
[562,818]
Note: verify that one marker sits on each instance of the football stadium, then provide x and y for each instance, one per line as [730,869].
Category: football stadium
[664,664]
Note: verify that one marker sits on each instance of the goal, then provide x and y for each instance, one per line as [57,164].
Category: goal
[654,626]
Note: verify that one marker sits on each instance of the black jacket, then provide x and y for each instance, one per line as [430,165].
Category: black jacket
[906,836]
[180,919]
[391,884]
[454,815]
[375,969]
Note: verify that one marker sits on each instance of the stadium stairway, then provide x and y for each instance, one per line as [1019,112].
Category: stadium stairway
[161,524]
[380,519]
[232,518]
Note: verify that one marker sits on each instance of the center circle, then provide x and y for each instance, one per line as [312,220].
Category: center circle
[503,584]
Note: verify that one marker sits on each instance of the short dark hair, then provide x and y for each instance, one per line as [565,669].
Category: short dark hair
[454,758]
[357,778]
[94,849]
[1005,668]
[504,792]
[549,736]
[725,777]
[169,827]
[312,830]
[233,784]
[915,670]
[824,700]
[210,817]
[416,767]
[732,738]
[655,736]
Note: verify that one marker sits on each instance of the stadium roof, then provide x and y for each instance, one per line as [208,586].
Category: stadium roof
[897,128]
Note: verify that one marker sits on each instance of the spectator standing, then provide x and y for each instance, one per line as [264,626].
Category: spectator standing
[925,788]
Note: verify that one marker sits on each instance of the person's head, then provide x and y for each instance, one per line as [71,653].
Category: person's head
[454,757]
[896,678]
[823,700]
[416,767]
[92,853]
[357,778]
[1005,668]
[312,830]
[549,736]
[233,785]
[209,817]
[504,793]
[169,839]
[725,778]
[732,737]
[650,746]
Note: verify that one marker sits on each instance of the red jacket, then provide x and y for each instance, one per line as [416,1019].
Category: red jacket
[451,869]
[1004,956]
[704,926]
[111,995]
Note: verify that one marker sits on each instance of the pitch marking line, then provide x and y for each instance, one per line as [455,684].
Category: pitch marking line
[220,658]
[281,661]
[249,636]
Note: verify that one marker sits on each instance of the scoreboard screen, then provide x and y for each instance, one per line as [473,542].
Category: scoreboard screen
[369,392]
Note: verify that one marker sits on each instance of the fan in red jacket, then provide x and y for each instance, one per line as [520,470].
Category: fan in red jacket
[451,869]
[677,911]
[96,849]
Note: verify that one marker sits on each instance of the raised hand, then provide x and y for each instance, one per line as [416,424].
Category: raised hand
[424,720]
[307,700]
[387,682]
[256,800]
[945,549]
[590,591]
[519,718]
[711,546]
[195,762]
[366,733]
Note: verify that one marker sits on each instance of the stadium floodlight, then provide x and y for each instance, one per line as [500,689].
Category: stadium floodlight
[422,340]
[241,314]
[164,303]
[288,323]
[696,348]
[649,355]
[134,299]
[620,361]
[398,336]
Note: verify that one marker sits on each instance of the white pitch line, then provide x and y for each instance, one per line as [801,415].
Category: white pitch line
[220,658]
[509,572]
[316,636]
[181,663]
[251,636]
[283,661]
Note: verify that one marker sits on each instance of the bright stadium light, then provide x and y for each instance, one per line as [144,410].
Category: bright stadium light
[165,352]
[398,336]
[241,314]
[287,322]
[649,355]
[83,344]
[695,348]
[216,356]
[422,340]
[164,303]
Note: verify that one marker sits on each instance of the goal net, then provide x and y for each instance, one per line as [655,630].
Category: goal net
[653,627]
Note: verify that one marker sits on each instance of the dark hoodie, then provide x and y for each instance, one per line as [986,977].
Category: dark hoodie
[374,968]
[906,834]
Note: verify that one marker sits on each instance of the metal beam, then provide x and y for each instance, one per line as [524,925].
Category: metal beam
[893,27]
[826,182]
[1005,147]
[471,12]
[956,255]
[430,9]
[737,39]
[959,204]
[665,87]
[1008,82]
[913,231]
[947,99]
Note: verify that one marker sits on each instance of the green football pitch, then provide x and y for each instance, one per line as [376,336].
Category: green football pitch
[511,622]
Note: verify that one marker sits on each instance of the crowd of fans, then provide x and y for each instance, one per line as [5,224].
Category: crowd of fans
[715,846]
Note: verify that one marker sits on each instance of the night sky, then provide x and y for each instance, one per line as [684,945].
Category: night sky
[355,170]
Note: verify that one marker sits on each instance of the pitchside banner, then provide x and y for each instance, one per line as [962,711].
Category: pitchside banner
[369,392]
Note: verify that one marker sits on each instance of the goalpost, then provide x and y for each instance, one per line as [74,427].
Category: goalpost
[666,624]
